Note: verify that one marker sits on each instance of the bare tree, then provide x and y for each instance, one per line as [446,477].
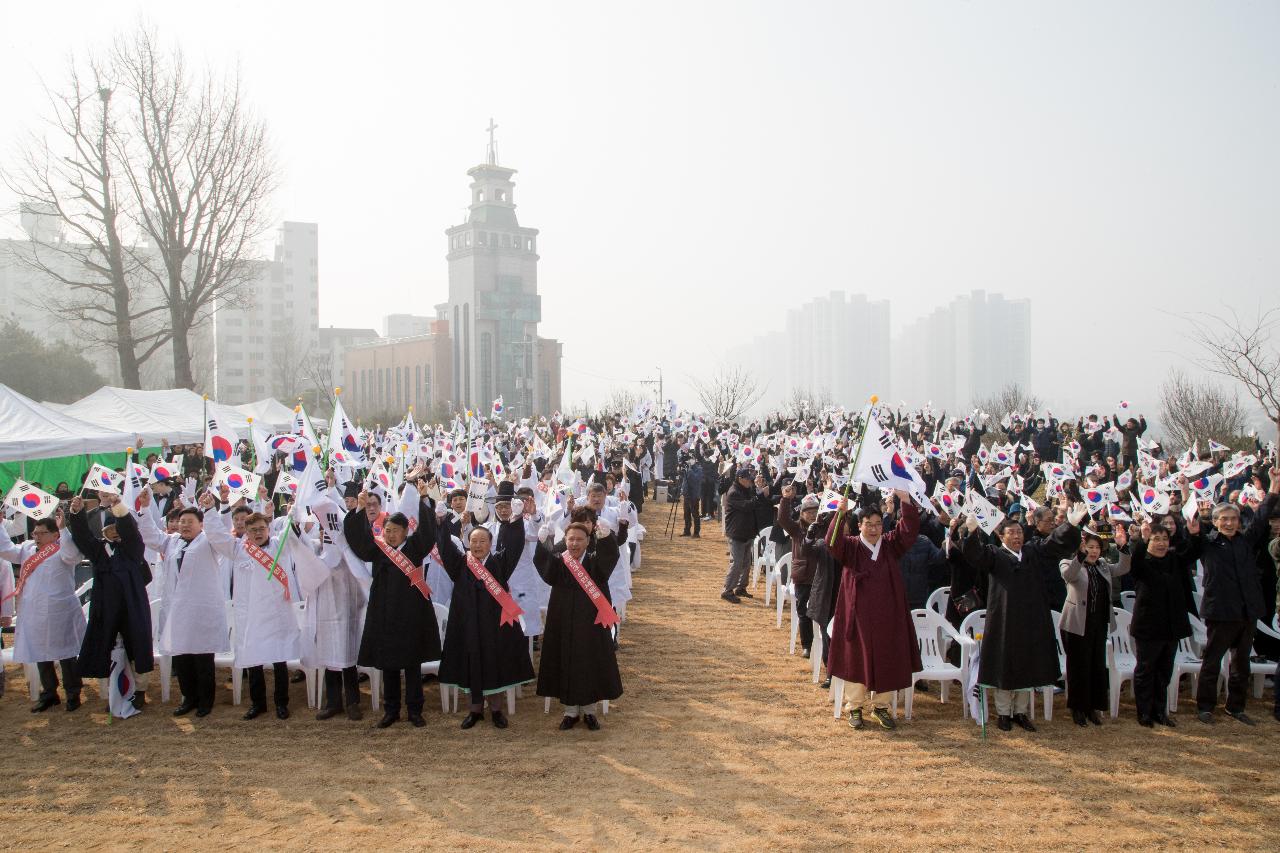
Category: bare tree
[66,182]
[317,381]
[1192,410]
[621,402]
[728,393]
[805,403]
[1242,349]
[201,173]
[1009,400]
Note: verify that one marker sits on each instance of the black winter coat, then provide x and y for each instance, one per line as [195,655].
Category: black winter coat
[579,664]
[480,653]
[1019,649]
[118,599]
[400,628]
[1232,587]
[743,507]
[1163,590]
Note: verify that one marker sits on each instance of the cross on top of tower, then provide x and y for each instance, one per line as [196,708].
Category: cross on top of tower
[493,149]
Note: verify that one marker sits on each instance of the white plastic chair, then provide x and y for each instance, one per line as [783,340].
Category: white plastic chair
[1126,600]
[970,640]
[1186,661]
[29,670]
[785,590]
[929,625]
[758,549]
[163,663]
[938,601]
[1121,660]
[227,659]
[815,653]
[315,677]
[432,667]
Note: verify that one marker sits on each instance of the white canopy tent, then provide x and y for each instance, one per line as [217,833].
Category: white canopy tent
[269,413]
[31,430]
[176,414]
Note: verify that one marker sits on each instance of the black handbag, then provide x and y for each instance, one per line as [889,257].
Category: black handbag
[967,603]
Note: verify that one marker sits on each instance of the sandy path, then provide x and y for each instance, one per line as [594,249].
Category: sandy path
[721,742]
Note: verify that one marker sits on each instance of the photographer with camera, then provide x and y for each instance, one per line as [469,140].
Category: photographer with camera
[690,476]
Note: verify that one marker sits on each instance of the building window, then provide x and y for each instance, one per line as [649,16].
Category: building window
[501,195]
[426,385]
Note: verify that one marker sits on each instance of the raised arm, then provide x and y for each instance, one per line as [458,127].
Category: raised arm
[359,535]
[9,551]
[509,548]
[423,538]
[78,525]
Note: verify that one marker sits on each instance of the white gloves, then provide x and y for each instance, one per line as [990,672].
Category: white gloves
[971,524]
[1076,514]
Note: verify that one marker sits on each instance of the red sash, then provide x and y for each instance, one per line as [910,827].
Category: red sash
[30,565]
[510,610]
[417,579]
[273,568]
[605,614]
[377,523]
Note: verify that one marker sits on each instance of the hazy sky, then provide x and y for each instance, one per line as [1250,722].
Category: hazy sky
[695,168]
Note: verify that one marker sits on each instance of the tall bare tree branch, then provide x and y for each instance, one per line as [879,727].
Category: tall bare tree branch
[728,393]
[1243,349]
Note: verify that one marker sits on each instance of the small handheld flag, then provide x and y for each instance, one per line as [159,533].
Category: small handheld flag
[30,501]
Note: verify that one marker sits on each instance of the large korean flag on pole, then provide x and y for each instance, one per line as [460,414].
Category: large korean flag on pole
[880,463]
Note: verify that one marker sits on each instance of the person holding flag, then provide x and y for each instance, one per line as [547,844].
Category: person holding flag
[118,602]
[873,641]
[579,665]
[400,629]
[485,650]
[263,592]
[52,624]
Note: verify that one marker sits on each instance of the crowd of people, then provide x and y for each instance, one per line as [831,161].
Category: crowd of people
[1035,520]
[519,540]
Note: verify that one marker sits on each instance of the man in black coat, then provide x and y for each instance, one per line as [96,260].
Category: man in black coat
[743,502]
[1232,603]
[118,599]
[400,629]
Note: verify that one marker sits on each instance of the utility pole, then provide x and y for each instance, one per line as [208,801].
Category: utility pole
[657,382]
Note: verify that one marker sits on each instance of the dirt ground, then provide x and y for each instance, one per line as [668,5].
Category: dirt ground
[721,742]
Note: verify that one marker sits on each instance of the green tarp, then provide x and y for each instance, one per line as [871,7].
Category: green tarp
[71,469]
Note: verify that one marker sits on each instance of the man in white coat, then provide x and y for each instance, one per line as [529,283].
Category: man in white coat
[193,607]
[50,621]
[264,596]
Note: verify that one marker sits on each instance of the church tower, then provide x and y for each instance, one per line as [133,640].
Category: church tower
[494,308]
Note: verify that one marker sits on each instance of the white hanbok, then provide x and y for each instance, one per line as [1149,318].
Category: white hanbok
[50,622]
[193,599]
[266,622]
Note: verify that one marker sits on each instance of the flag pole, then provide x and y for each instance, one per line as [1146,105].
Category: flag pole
[853,466]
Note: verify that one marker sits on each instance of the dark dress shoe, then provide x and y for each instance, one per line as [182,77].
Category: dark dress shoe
[826,685]
[1205,717]
[139,699]
[282,712]
[592,723]
[254,712]
[1024,722]
[1079,718]
[327,713]
[1239,716]
[417,721]
[805,652]
[730,597]
[1004,723]
[184,708]
[388,719]
[1166,720]
[354,712]
[472,718]
[741,592]
[45,704]
[499,719]
[203,712]
[73,702]
[1095,718]
[568,723]
[1146,722]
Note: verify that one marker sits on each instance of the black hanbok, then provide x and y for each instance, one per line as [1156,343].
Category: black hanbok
[118,599]
[579,665]
[480,653]
[400,630]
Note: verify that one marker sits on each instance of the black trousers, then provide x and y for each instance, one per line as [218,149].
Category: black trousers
[691,515]
[826,640]
[1087,680]
[258,685]
[195,679]
[412,690]
[342,688]
[1151,675]
[49,678]
[801,604]
[1222,638]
